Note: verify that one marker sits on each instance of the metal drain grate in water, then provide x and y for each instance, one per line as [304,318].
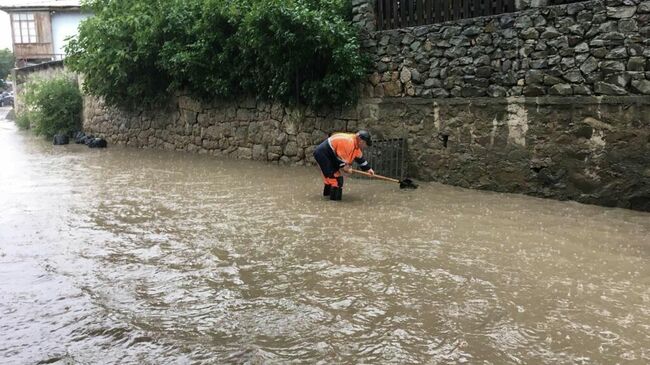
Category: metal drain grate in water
[387,157]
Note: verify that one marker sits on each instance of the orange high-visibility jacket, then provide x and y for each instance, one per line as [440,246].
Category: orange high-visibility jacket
[346,148]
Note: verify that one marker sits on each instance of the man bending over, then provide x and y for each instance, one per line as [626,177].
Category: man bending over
[338,152]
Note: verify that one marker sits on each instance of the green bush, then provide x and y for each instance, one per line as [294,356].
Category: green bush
[201,49]
[51,106]
[117,49]
[6,64]
[135,52]
[301,54]
[23,121]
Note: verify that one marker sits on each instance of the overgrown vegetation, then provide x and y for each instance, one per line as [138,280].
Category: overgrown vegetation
[293,51]
[22,120]
[6,64]
[51,106]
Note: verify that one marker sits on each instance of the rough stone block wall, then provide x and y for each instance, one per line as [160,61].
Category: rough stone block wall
[584,48]
[549,101]
[593,150]
[245,129]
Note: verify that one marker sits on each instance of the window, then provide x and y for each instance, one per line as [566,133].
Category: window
[24,28]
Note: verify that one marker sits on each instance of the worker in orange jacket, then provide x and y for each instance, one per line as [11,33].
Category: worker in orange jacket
[338,152]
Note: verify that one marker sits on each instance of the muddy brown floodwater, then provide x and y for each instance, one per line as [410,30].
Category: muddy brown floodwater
[131,256]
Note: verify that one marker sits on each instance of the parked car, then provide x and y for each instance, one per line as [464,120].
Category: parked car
[6,99]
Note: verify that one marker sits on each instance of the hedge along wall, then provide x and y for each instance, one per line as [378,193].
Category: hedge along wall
[545,101]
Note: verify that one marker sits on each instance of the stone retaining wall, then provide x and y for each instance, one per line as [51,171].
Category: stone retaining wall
[593,150]
[584,48]
[245,129]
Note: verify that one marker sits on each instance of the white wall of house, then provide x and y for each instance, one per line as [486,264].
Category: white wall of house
[64,25]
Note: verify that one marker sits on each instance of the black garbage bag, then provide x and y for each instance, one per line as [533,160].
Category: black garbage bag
[61,139]
[80,137]
[87,139]
[97,143]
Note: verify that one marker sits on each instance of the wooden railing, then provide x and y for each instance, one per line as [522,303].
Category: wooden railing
[393,14]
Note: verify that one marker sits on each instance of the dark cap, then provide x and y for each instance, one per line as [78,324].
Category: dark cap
[365,135]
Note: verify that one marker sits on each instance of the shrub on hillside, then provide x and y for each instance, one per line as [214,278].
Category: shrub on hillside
[51,106]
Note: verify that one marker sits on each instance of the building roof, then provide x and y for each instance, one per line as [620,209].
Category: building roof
[16,5]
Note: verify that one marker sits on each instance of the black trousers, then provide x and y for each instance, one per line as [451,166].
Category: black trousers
[328,162]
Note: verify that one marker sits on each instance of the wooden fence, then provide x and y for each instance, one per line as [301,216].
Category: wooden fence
[393,14]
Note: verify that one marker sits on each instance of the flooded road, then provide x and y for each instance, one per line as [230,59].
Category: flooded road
[128,256]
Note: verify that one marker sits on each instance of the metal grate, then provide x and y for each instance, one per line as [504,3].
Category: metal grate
[394,14]
[388,157]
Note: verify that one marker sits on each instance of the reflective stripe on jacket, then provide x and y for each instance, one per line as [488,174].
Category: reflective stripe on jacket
[347,150]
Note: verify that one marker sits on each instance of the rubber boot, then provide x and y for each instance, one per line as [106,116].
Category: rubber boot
[327,189]
[336,193]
